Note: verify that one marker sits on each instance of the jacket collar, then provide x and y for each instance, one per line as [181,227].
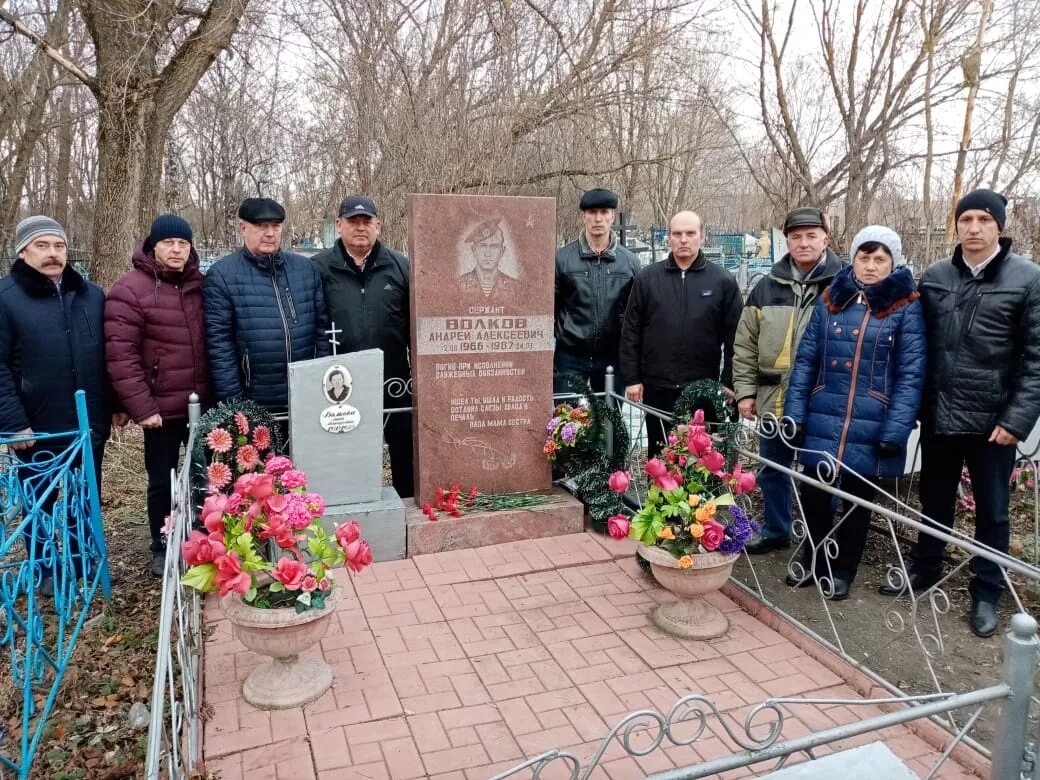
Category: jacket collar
[990,270]
[37,285]
[263,262]
[146,262]
[699,263]
[821,273]
[891,293]
[588,253]
[342,260]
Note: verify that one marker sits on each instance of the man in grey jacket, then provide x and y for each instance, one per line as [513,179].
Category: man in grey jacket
[982,393]
[594,275]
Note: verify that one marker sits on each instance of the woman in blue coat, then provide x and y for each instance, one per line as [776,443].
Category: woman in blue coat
[854,394]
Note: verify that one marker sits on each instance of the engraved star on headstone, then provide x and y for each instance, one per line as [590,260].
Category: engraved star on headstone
[530,221]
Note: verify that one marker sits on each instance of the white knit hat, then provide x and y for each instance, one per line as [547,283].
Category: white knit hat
[883,235]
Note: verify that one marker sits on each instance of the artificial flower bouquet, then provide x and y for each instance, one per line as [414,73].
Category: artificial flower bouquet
[234,438]
[569,424]
[690,506]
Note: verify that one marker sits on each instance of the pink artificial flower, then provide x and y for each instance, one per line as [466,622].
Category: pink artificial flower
[293,479]
[672,439]
[743,481]
[219,476]
[261,437]
[698,417]
[281,531]
[654,468]
[347,533]
[213,510]
[714,533]
[247,457]
[619,481]
[242,423]
[200,548]
[310,584]
[253,485]
[358,555]
[315,503]
[297,513]
[324,584]
[219,440]
[699,442]
[278,503]
[277,465]
[683,461]
[670,456]
[230,576]
[713,461]
[168,523]
[291,573]
[617,526]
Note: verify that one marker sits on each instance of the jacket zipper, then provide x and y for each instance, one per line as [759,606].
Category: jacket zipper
[852,384]
[281,312]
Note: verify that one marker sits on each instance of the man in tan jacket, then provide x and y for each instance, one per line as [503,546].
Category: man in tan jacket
[771,325]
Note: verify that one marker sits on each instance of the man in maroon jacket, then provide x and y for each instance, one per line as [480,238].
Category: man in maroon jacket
[156,354]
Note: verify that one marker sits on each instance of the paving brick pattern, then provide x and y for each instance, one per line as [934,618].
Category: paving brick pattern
[459,665]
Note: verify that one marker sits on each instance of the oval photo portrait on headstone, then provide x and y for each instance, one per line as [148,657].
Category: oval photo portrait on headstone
[337,384]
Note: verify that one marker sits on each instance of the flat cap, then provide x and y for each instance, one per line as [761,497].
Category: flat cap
[598,199]
[804,216]
[258,210]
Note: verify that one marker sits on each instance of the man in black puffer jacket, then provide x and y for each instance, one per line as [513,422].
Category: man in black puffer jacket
[982,394]
[52,344]
[366,291]
[264,309]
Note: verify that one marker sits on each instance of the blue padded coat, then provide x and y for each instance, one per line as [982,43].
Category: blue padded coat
[859,373]
[262,313]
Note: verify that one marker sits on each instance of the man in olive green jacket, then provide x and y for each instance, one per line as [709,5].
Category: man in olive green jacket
[771,325]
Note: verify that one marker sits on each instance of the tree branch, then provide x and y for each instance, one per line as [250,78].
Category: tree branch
[47,49]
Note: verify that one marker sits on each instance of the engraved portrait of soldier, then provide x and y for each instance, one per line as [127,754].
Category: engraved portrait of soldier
[489,253]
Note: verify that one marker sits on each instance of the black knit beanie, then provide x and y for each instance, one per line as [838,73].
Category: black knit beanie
[993,203]
[168,226]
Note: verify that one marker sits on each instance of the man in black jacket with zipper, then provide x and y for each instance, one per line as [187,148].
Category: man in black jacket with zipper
[679,326]
[366,292]
[982,393]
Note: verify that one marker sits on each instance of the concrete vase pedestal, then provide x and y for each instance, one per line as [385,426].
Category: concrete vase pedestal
[691,617]
[282,634]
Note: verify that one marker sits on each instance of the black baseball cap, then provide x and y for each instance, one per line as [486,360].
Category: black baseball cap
[257,210]
[357,206]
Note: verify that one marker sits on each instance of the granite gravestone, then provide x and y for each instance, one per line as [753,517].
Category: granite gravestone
[482,340]
[336,434]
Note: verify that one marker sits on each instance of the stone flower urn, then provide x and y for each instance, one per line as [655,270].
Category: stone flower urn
[691,617]
[282,634]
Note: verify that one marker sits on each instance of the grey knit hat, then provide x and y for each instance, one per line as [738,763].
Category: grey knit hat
[31,228]
[883,235]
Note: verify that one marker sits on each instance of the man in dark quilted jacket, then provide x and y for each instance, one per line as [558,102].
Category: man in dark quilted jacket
[156,355]
[264,310]
[981,396]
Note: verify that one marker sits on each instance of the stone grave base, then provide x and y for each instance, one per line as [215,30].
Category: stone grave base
[564,514]
[382,523]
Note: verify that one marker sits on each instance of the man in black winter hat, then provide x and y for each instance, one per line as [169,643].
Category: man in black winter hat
[264,309]
[982,395]
[594,276]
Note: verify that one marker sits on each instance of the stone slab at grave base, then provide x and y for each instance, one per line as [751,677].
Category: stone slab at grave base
[562,515]
[382,523]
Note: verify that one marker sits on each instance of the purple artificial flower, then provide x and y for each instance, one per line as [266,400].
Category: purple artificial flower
[569,432]
[730,546]
[552,425]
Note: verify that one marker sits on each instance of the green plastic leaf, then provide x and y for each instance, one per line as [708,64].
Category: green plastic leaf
[200,577]
[726,499]
[251,594]
[276,587]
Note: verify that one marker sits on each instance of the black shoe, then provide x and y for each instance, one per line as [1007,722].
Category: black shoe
[794,582]
[983,619]
[766,544]
[158,563]
[47,587]
[917,581]
[840,589]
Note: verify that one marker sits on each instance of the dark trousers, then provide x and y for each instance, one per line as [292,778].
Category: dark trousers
[990,466]
[851,535]
[162,447]
[662,398]
[397,431]
[777,488]
[568,367]
[34,538]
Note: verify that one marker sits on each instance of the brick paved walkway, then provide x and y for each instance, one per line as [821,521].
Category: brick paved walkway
[459,665]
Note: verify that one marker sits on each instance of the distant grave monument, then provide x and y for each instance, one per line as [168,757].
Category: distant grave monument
[482,346]
[336,435]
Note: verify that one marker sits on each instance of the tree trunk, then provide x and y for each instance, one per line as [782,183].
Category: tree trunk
[63,171]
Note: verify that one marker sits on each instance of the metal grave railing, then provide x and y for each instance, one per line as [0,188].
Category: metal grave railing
[48,493]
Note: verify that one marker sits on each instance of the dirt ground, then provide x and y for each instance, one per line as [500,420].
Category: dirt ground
[878,632]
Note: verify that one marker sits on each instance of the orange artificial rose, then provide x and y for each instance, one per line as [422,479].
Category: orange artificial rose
[685,562]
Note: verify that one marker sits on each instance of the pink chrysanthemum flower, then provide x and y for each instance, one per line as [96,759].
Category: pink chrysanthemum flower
[247,457]
[219,440]
[242,423]
[219,476]
[261,437]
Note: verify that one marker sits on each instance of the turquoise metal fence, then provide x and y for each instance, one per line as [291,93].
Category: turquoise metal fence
[53,494]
